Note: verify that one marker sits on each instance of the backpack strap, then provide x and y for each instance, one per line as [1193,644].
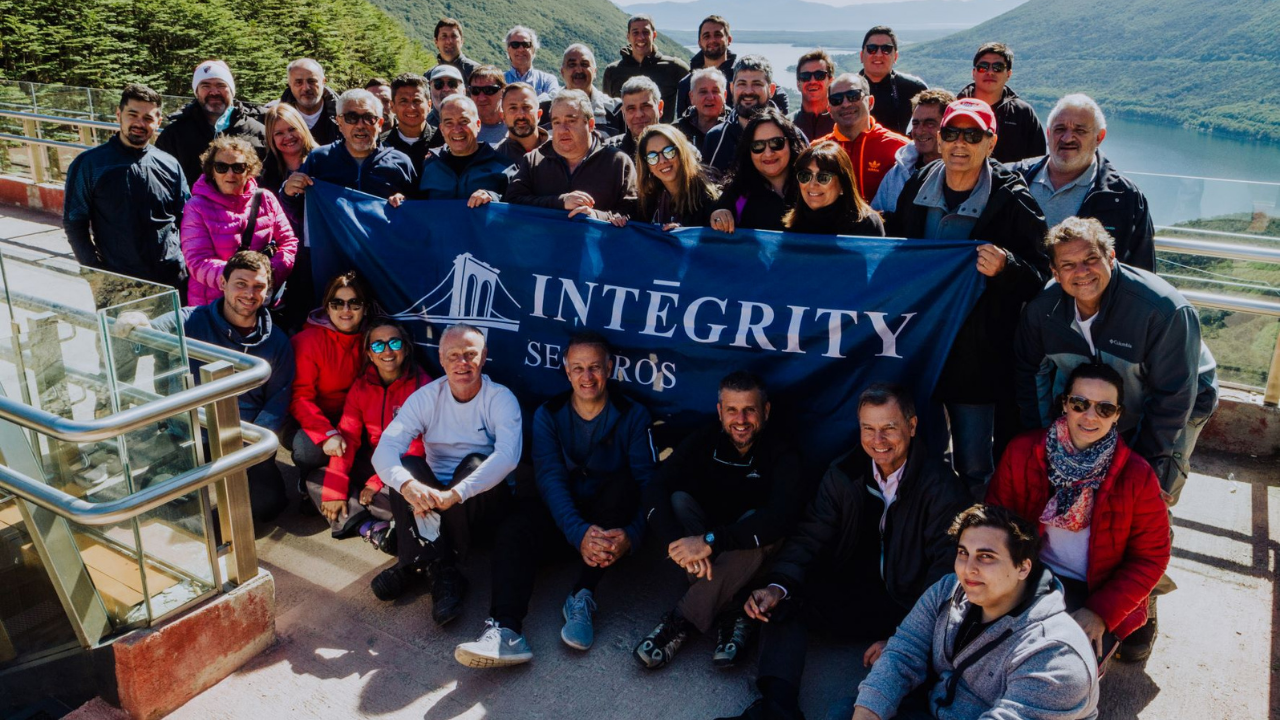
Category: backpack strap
[246,236]
[738,206]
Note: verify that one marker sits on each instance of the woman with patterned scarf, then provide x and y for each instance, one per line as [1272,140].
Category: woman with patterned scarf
[1104,525]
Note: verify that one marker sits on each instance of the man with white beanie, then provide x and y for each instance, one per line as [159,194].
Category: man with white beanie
[214,111]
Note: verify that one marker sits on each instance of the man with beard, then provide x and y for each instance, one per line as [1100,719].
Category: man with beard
[926,118]
[578,70]
[814,74]
[752,87]
[871,146]
[1076,180]
[355,160]
[448,39]
[891,89]
[412,135]
[641,107]
[124,198]
[641,57]
[484,87]
[708,105]
[215,111]
[520,113]
[713,52]
[318,103]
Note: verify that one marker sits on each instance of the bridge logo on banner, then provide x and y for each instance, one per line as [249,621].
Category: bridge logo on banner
[819,318]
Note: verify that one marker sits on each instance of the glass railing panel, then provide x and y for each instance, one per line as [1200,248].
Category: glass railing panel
[32,619]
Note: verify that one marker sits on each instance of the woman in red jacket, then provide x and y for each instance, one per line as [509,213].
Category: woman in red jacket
[1104,524]
[389,377]
[328,357]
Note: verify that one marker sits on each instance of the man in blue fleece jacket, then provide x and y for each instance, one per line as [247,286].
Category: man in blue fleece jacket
[593,458]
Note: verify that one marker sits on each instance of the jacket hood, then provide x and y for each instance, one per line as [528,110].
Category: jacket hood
[224,328]
[907,155]
[1041,599]
[700,59]
[192,112]
[320,318]
[235,203]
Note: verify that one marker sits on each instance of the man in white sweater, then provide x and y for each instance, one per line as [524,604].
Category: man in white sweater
[470,430]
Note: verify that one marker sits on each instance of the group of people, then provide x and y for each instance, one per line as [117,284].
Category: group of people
[1073,394]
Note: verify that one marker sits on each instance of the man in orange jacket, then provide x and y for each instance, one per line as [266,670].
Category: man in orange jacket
[870,145]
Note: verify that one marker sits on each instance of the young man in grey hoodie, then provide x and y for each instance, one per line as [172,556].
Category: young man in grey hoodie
[993,639]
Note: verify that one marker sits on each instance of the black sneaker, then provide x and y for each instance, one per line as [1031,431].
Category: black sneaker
[732,636]
[392,582]
[1137,647]
[661,645]
[448,586]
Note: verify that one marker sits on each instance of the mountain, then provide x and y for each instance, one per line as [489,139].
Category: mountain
[599,24]
[1214,66]
[808,16]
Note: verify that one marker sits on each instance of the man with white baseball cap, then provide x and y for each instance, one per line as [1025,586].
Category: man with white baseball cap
[214,111]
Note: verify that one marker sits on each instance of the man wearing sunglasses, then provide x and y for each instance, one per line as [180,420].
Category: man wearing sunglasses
[355,160]
[1076,179]
[215,111]
[891,89]
[522,46]
[306,90]
[641,58]
[1021,135]
[814,74]
[1131,320]
[968,196]
[872,147]
[713,43]
[443,81]
[484,87]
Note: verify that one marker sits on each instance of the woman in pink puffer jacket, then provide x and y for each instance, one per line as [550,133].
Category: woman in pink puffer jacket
[215,218]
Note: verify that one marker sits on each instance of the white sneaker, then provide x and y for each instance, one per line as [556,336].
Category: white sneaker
[496,647]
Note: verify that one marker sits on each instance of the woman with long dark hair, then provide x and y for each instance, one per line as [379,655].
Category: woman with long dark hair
[829,202]
[760,184]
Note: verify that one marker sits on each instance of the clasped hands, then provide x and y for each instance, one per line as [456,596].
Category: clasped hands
[602,548]
[425,499]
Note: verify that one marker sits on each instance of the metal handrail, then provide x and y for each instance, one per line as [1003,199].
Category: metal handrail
[59,120]
[1225,251]
[262,445]
[44,142]
[1234,303]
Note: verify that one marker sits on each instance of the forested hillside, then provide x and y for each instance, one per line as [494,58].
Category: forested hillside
[1208,65]
[599,24]
[107,43]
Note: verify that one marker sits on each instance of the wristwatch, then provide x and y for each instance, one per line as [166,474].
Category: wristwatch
[710,540]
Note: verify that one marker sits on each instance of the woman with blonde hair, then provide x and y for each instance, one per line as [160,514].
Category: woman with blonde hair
[288,144]
[674,191]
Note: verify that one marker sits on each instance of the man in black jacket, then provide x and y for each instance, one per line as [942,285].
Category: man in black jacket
[891,89]
[967,196]
[317,102]
[1021,135]
[720,504]
[215,111]
[713,52]
[1076,180]
[448,40]
[641,57]
[871,542]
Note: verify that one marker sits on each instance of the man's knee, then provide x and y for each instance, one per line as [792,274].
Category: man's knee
[688,512]
[468,465]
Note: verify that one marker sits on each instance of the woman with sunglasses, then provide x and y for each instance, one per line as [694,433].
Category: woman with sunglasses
[216,220]
[389,376]
[1103,522]
[760,183]
[289,142]
[674,191]
[829,203]
[327,356]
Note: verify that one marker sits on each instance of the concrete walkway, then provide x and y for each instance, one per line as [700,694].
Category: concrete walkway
[342,653]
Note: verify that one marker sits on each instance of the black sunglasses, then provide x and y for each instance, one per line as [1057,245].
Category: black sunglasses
[774,143]
[872,48]
[668,152]
[489,90]
[378,346]
[837,99]
[222,168]
[355,118]
[338,304]
[808,75]
[824,177]
[996,67]
[519,44]
[973,136]
[1081,405]
[442,83]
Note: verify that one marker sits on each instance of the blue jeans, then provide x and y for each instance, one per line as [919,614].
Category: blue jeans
[972,430]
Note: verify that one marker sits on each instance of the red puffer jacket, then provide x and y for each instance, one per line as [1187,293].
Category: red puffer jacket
[369,409]
[1129,542]
[326,362]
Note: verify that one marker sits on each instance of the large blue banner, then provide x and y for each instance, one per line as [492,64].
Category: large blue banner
[819,317]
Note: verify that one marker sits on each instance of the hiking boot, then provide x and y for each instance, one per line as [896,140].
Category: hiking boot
[1137,647]
[577,632]
[393,582]
[448,587]
[496,647]
[660,645]
[732,636]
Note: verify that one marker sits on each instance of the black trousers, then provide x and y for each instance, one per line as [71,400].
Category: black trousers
[267,496]
[459,525]
[530,536]
[854,609]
